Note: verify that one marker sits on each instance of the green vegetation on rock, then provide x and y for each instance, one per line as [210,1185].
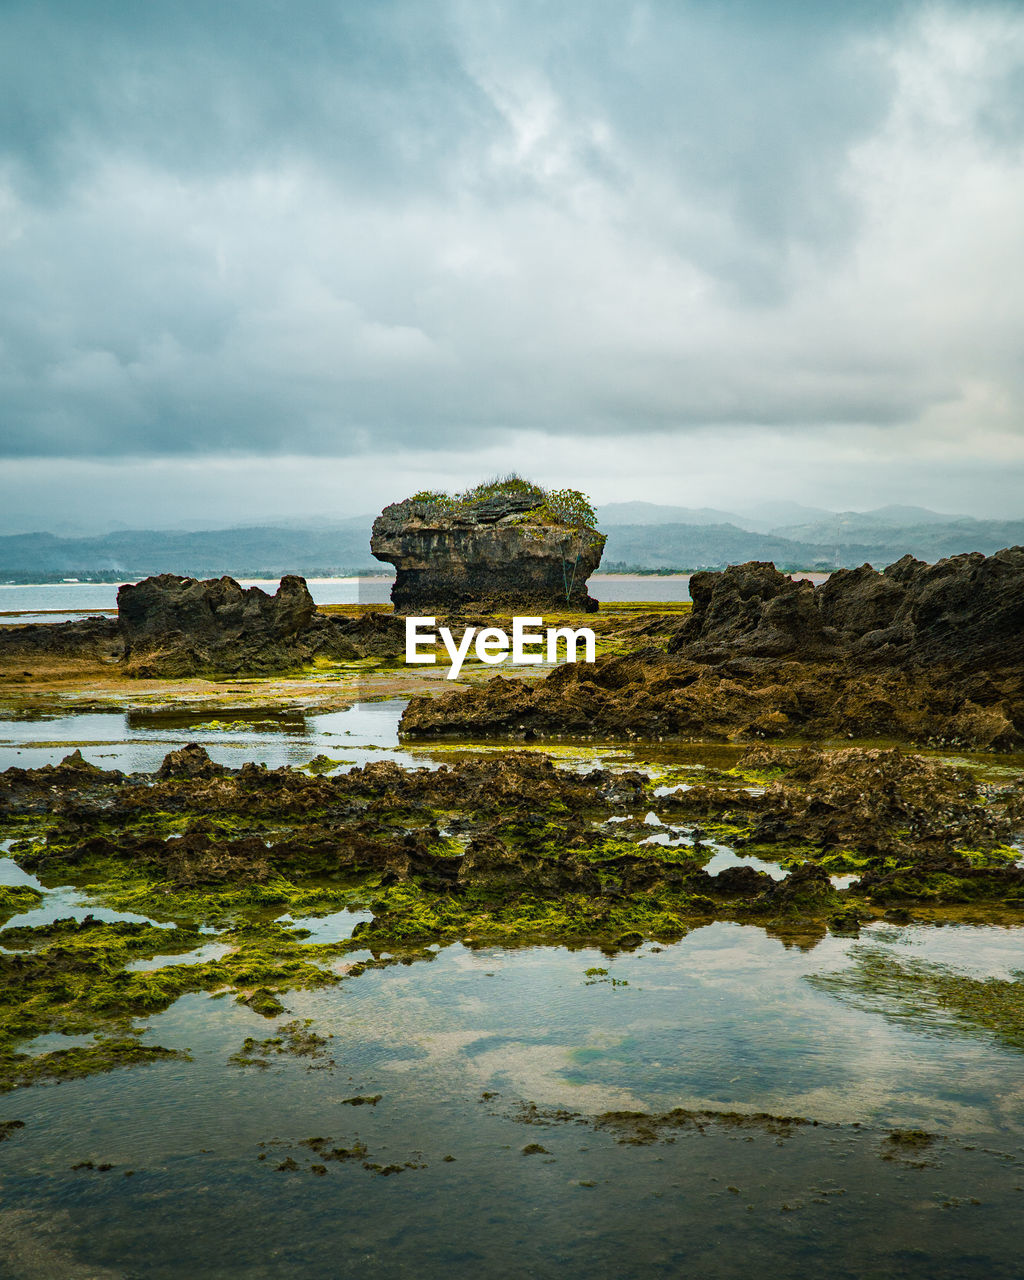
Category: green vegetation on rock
[930,997]
[553,506]
[501,847]
[14,899]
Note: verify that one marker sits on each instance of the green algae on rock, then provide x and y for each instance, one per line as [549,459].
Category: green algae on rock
[17,1070]
[917,993]
[14,899]
[294,1039]
[498,848]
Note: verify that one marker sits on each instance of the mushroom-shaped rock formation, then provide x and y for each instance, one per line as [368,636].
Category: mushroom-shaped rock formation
[490,549]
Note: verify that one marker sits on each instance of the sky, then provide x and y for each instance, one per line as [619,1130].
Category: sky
[286,258]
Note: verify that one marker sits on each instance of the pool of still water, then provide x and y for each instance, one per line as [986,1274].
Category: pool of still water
[137,741]
[447,1179]
[724,1020]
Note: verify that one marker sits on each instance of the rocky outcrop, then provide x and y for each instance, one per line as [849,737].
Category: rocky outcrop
[169,626]
[96,638]
[189,761]
[967,611]
[489,554]
[212,609]
[654,696]
[931,654]
[175,626]
[751,609]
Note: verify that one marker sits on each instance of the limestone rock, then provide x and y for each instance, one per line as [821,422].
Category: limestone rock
[96,638]
[932,654]
[967,610]
[174,626]
[490,554]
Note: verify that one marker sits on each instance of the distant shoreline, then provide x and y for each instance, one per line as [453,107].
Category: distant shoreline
[616,574]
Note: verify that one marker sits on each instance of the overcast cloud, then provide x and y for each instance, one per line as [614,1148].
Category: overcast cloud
[654,248]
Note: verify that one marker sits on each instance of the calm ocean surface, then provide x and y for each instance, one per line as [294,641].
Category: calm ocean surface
[62,601]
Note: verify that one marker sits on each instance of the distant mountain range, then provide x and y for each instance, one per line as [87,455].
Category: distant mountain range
[255,552]
[641,536]
[646,535]
[783,518]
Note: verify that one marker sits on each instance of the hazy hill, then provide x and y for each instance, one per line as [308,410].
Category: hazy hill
[619,513]
[927,539]
[654,537]
[824,545]
[133,554]
[770,516]
[874,527]
[687,546]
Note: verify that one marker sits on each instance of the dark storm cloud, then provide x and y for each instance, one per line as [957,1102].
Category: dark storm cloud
[381,92]
[330,228]
[375,91]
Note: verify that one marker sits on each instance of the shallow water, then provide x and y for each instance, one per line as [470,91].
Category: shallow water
[21,619]
[69,600]
[460,1041]
[723,1020]
[59,902]
[137,741]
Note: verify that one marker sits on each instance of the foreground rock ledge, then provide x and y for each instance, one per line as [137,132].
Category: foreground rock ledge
[490,554]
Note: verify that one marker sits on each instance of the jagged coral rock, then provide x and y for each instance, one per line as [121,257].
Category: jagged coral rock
[173,626]
[919,653]
[967,609]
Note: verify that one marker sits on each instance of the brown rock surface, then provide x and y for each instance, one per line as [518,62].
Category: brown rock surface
[655,696]
[490,554]
[173,626]
[921,653]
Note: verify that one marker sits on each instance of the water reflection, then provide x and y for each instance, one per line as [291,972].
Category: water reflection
[460,1049]
[247,719]
[138,740]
